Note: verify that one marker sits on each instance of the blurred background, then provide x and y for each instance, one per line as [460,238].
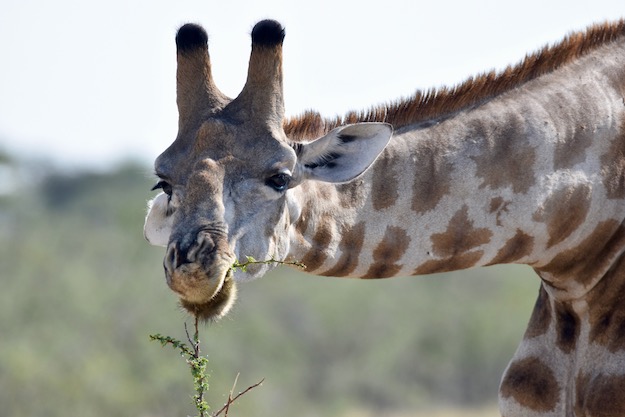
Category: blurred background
[87,101]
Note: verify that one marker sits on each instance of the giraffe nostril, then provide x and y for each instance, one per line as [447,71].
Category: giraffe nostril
[187,251]
[204,243]
[173,258]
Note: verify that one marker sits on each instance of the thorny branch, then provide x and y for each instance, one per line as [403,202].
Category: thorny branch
[231,400]
[198,363]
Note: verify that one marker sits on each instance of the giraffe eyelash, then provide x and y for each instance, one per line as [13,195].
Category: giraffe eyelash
[165,186]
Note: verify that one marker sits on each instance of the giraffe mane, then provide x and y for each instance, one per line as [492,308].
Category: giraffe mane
[439,103]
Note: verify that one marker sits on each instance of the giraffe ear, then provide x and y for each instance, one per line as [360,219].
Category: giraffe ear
[344,153]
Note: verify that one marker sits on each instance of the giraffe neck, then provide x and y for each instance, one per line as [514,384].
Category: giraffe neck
[570,361]
[534,176]
[515,180]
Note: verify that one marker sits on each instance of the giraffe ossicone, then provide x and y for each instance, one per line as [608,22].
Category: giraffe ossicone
[522,166]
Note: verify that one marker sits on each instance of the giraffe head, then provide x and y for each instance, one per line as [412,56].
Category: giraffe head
[229,179]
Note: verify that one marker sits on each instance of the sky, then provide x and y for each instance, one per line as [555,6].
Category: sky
[87,84]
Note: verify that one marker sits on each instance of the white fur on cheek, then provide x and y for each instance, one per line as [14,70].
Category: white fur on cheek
[158,225]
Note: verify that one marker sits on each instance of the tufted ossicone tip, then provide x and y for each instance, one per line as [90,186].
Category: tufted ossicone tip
[191,37]
[267,33]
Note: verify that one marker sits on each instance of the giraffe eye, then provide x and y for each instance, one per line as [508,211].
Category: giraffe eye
[279,182]
[165,186]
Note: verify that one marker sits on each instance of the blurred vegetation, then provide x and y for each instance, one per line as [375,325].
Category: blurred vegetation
[81,292]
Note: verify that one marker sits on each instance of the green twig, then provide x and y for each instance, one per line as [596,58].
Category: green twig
[251,261]
[196,362]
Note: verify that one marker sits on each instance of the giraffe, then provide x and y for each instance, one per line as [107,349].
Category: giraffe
[524,166]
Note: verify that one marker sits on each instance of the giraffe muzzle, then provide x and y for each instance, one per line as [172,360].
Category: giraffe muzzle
[197,269]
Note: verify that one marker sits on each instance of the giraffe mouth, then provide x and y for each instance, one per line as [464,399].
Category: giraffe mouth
[204,298]
[218,306]
[198,270]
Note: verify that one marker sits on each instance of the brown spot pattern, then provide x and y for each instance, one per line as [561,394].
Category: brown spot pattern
[567,327]
[519,246]
[351,246]
[498,205]
[325,192]
[564,211]
[532,384]
[541,316]
[600,395]
[317,255]
[607,309]
[456,263]
[388,252]
[460,236]
[432,179]
[304,220]
[385,182]
[456,245]
[573,151]
[351,194]
[506,159]
[591,255]
[613,171]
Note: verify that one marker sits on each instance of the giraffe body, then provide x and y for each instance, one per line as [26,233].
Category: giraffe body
[527,166]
